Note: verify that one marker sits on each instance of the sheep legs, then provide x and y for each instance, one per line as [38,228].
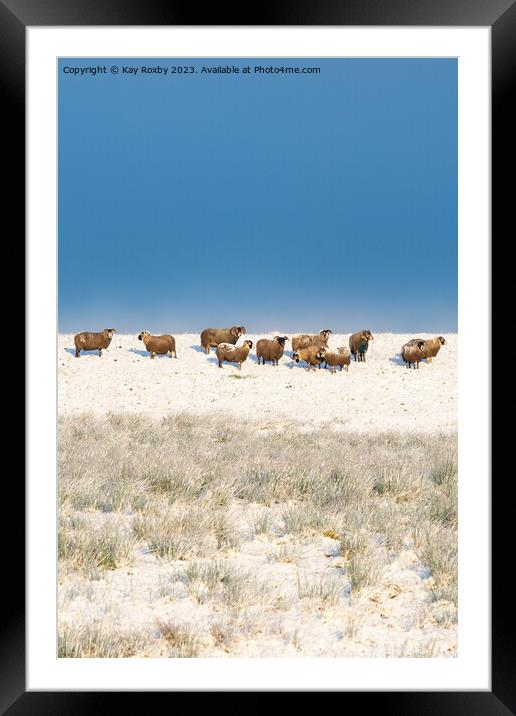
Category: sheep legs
[100,352]
[77,353]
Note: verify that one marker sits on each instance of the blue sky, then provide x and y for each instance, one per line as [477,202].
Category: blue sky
[278,202]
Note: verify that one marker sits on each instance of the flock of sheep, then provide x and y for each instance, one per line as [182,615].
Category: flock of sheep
[311,349]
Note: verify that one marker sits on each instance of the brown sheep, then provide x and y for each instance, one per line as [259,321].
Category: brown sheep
[93,341]
[158,344]
[339,357]
[233,354]
[432,346]
[270,350]
[359,343]
[311,355]
[413,352]
[211,337]
[305,340]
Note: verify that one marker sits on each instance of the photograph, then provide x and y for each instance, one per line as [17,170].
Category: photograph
[257,357]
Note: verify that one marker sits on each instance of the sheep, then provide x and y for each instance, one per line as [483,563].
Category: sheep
[93,341]
[233,354]
[339,357]
[211,337]
[359,343]
[432,347]
[311,355]
[305,340]
[413,352]
[270,350]
[158,344]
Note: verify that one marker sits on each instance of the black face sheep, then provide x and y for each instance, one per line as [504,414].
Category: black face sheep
[339,357]
[432,346]
[359,343]
[158,344]
[413,353]
[233,354]
[270,350]
[312,356]
[93,341]
[211,337]
[315,339]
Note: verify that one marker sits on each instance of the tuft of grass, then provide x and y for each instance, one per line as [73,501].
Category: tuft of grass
[365,557]
[286,552]
[262,523]
[86,549]
[352,625]
[221,582]
[437,548]
[303,518]
[99,641]
[226,535]
[181,638]
[223,633]
[322,588]
[424,649]
[175,534]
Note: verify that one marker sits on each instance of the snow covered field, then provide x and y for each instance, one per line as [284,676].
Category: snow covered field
[380,394]
[320,519]
[191,537]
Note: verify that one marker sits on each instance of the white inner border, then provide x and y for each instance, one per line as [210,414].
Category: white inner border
[471,670]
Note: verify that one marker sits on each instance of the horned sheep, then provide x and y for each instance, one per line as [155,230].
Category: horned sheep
[359,343]
[311,355]
[271,350]
[160,345]
[87,341]
[212,337]
[413,353]
[432,346]
[339,357]
[304,340]
[233,354]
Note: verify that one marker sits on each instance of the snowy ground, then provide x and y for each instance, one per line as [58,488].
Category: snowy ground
[250,541]
[277,590]
[300,604]
[380,394]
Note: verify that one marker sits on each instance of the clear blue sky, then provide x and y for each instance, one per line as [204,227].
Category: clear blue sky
[278,202]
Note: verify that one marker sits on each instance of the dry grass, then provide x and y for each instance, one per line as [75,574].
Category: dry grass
[85,548]
[99,642]
[181,638]
[193,491]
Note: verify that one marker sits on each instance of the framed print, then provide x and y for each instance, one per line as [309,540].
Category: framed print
[258,279]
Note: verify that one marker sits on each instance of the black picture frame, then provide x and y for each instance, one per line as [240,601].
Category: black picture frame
[500,16]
